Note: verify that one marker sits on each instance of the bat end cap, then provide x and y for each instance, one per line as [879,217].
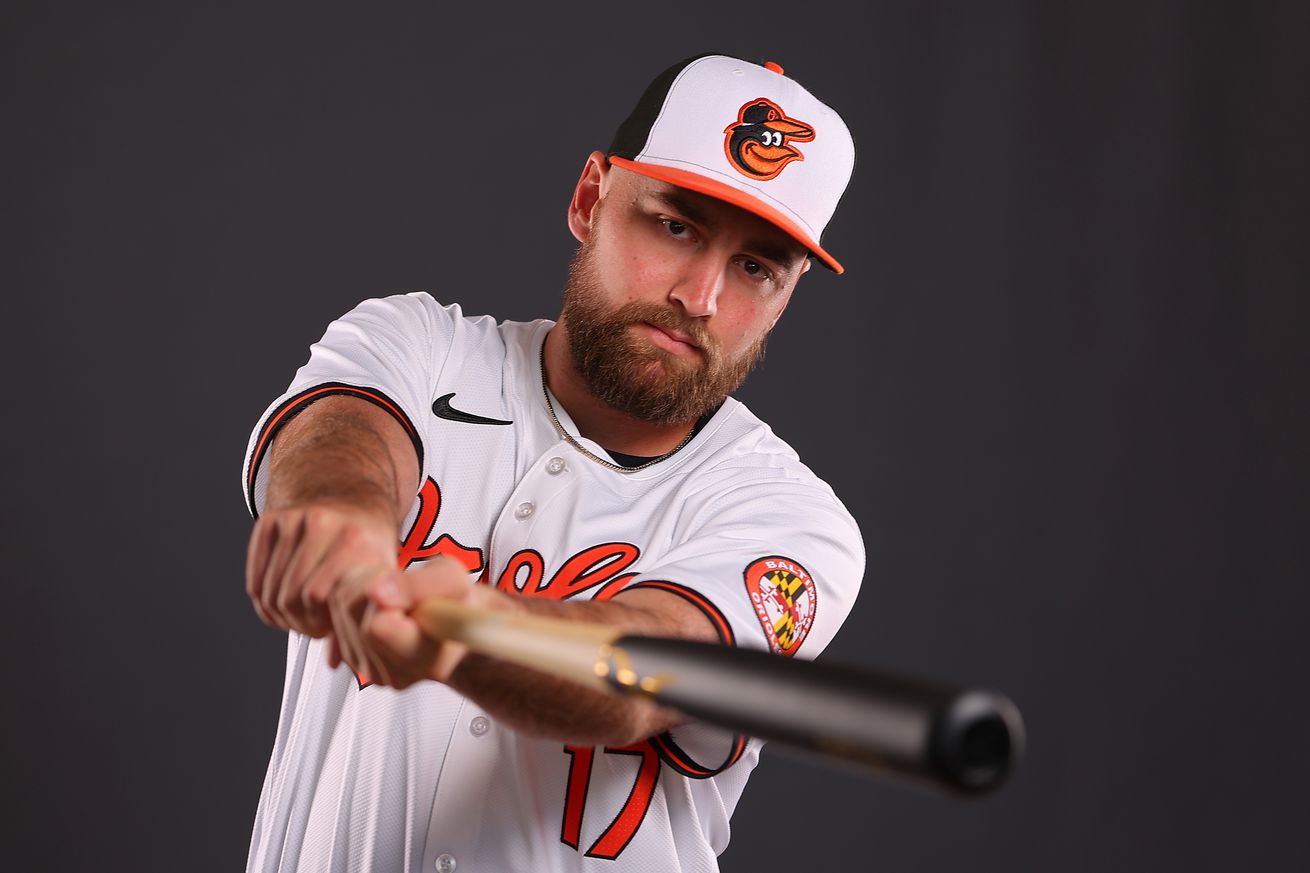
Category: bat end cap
[977,741]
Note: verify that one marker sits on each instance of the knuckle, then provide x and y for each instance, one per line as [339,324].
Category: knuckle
[315,626]
[350,535]
[315,596]
[319,518]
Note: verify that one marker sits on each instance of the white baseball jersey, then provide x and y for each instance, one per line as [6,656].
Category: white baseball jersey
[367,778]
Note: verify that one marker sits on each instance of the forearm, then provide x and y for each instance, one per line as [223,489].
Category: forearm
[541,705]
[341,476]
[338,452]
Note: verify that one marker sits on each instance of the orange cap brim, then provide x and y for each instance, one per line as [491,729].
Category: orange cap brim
[735,196]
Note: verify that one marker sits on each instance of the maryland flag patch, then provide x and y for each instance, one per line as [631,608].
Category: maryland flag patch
[783,595]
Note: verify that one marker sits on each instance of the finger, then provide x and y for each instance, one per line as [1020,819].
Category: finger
[386,601]
[387,593]
[333,652]
[261,540]
[440,577]
[288,534]
[347,604]
[315,594]
[404,651]
[393,671]
[385,598]
[309,565]
[342,634]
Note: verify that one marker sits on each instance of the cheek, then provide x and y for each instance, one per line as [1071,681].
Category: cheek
[634,271]
[739,326]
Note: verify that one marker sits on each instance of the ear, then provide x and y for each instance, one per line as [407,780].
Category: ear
[586,194]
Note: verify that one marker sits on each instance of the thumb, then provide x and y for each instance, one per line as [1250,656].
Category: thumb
[441,577]
[387,592]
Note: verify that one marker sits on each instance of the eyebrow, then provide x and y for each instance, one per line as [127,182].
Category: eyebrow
[679,202]
[785,256]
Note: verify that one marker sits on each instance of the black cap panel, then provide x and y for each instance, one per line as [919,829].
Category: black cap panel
[635,130]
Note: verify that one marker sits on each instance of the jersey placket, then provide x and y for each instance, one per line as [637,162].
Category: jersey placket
[455,821]
[535,516]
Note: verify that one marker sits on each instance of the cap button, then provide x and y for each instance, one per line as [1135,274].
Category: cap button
[770,65]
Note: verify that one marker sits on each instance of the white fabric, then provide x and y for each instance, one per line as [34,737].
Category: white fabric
[705,99]
[375,779]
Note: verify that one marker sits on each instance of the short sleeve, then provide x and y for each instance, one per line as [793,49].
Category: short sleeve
[388,351]
[775,565]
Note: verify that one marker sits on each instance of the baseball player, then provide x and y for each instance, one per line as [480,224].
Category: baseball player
[594,468]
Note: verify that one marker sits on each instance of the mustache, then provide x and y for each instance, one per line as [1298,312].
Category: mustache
[663,317]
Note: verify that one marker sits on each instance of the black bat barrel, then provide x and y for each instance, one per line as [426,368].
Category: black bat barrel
[966,740]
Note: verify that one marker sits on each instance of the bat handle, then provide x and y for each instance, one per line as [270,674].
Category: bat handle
[965,740]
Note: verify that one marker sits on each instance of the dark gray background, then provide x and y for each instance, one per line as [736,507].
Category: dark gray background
[1062,386]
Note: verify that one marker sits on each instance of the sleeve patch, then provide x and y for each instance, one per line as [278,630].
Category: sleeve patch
[783,594]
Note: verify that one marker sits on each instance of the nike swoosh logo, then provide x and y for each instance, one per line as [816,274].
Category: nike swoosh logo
[442,408]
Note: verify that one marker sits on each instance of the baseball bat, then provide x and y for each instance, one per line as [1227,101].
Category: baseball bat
[963,740]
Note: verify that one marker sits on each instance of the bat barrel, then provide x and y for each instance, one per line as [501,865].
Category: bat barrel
[966,740]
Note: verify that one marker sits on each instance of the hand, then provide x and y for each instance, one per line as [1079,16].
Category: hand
[310,562]
[397,651]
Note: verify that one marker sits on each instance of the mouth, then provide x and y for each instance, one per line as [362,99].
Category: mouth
[670,339]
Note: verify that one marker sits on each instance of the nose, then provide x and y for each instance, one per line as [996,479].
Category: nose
[698,288]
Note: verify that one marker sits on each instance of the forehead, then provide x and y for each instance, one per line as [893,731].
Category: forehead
[710,212]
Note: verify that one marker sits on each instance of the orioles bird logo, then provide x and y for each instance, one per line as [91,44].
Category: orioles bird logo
[757,144]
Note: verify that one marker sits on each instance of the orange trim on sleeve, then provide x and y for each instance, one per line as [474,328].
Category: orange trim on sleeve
[698,600]
[681,762]
[297,404]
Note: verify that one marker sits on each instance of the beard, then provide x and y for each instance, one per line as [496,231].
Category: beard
[634,377]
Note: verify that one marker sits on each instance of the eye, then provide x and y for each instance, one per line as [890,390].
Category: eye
[676,228]
[756,270]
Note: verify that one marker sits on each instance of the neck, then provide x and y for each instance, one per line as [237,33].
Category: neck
[596,420]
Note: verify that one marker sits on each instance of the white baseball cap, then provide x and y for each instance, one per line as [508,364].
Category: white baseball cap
[746,134]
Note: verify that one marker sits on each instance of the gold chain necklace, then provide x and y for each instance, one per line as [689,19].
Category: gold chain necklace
[568,437]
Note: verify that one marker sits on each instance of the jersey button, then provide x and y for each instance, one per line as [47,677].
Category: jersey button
[555,466]
[445,863]
[479,725]
[524,510]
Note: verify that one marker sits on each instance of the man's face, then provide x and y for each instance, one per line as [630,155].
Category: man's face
[671,297]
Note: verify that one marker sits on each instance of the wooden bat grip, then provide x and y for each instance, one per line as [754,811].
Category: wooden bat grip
[569,649]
